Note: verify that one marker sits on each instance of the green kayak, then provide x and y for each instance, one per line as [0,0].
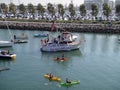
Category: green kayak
[69,84]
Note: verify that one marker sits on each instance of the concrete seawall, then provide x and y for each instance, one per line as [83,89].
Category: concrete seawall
[72,27]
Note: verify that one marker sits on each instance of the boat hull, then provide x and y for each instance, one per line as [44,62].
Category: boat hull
[11,56]
[60,47]
[20,41]
[6,44]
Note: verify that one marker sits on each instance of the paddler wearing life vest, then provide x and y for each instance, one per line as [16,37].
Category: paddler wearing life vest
[50,76]
[67,80]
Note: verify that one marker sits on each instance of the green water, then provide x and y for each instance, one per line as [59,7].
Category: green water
[96,64]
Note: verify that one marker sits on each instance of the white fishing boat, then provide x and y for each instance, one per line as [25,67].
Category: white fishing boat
[66,41]
[20,39]
[7,55]
[6,44]
[22,36]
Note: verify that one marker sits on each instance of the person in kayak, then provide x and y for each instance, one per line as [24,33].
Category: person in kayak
[50,76]
[57,58]
[67,80]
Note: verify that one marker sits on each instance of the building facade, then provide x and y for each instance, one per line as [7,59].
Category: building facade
[117,2]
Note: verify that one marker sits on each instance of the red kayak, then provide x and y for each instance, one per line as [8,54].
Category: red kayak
[60,59]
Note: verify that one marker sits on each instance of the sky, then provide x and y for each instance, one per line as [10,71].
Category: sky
[43,2]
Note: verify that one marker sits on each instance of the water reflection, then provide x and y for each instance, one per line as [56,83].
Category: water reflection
[11,49]
[48,60]
[99,44]
[97,60]
[6,62]
[70,55]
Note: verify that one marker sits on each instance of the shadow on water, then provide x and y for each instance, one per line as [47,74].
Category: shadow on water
[6,62]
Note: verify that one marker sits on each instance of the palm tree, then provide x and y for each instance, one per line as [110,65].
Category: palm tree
[51,9]
[4,8]
[12,8]
[61,10]
[22,9]
[106,10]
[117,10]
[94,10]
[82,10]
[41,10]
[31,10]
[71,10]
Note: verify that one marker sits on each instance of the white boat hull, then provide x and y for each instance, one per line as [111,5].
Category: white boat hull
[60,47]
[12,56]
[6,55]
[6,44]
[20,41]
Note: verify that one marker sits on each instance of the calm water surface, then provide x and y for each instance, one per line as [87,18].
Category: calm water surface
[96,64]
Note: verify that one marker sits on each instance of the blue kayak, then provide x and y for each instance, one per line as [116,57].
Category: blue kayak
[40,35]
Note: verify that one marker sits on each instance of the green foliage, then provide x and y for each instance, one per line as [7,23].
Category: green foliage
[22,8]
[82,10]
[12,8]
[71,10]
[51,9]
[4,8]
[61,9]
[106,10]
[41,9]
[61,21]
[31,8]
[94,9]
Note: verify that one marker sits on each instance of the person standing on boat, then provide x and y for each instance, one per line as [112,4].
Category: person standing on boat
[14,36]
[8,52]
[63,56]
[48,39]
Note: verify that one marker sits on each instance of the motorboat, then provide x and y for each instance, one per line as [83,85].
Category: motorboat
[20,41]
[6,55]
[66,41]
[22,36]
[6,44]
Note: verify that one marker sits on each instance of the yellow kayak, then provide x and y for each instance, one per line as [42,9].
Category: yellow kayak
[54,78]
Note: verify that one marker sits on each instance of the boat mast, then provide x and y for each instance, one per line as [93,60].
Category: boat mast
[6,24]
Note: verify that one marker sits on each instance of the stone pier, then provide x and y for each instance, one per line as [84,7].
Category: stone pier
[72,27]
